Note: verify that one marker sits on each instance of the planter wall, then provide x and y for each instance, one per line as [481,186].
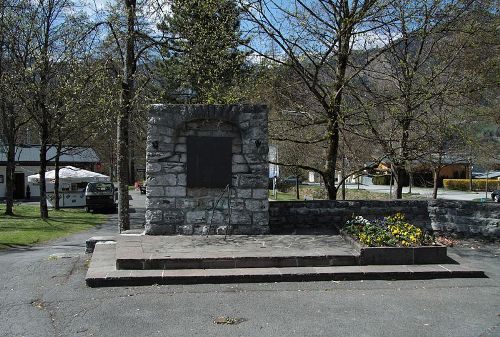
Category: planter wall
[398,255]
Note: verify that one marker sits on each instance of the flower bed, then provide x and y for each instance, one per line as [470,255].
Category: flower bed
[392,240]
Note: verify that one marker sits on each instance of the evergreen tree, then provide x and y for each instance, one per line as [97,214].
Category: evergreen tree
[203,64]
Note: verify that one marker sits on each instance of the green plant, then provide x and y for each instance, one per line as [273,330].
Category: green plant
[381,179]
[368,233]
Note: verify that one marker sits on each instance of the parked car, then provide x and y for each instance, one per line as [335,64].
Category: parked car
[495,195]
[100,196]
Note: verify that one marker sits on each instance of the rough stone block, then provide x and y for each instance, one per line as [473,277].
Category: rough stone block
[251,181]
[173,167]
[185,203]
[240,168]
[237,204]
[244,193]
[154,216]
[186,230]
[163,180]
[260,194]
[181,179]
[196,217]
[254,205]
[260,218]
[160,203]
[160,229]
[177,191]
[180,148]
[241,218]
[239,159]
[153,168]
[173,217]
[155,191]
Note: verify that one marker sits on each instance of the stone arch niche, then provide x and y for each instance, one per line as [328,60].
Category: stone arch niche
[199,154]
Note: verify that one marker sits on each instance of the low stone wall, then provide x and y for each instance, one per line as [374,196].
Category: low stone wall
[458,217]
[286,215]
[465,217]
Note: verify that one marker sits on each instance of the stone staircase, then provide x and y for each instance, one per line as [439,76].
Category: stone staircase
[145,260]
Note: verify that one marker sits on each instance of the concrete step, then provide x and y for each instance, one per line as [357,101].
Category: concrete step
[103,272]
[217,252]
[223,261]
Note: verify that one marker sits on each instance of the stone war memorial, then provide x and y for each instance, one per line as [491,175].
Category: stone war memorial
[208,218]
[207,169]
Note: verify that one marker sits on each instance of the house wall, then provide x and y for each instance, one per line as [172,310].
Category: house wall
[455,171]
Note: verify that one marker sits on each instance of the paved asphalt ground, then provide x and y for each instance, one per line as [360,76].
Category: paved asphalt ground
[43,293]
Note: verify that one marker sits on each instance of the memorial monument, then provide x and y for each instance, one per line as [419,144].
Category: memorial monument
[207,170]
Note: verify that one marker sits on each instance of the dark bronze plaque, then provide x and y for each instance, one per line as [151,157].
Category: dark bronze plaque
[209,161]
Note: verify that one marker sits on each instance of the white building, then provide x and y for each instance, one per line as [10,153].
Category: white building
[28,163]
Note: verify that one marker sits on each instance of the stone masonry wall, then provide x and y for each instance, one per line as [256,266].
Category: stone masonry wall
[457,217]
[290,215]
[465,217]
[174,208]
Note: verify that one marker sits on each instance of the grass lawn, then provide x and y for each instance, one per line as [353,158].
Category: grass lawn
[26,227]
[351,194]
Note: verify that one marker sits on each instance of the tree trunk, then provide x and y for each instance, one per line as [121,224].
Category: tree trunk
[470,176]
[43,110]
[44,211]
[122,161]
[343,177]
[399,174]
[333,144]
[56,180]
[131,171]
[410,173]
[391,181]
[9,177]
[435,178]
[127,95]
[111,161]
[10,136]
[297,193]
[334,113]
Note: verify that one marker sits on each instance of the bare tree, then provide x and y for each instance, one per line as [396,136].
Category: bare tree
[128,45]
[318,40]
[12,115]
[401,88]
[47,37]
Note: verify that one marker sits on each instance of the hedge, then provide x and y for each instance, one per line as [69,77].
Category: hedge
[477,184]
[381,179]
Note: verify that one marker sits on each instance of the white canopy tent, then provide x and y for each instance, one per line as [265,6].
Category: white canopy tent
[72,181]
[70,174]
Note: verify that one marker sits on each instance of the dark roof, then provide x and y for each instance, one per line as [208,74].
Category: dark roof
[31,154]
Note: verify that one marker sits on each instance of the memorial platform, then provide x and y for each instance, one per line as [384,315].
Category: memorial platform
[146,260]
